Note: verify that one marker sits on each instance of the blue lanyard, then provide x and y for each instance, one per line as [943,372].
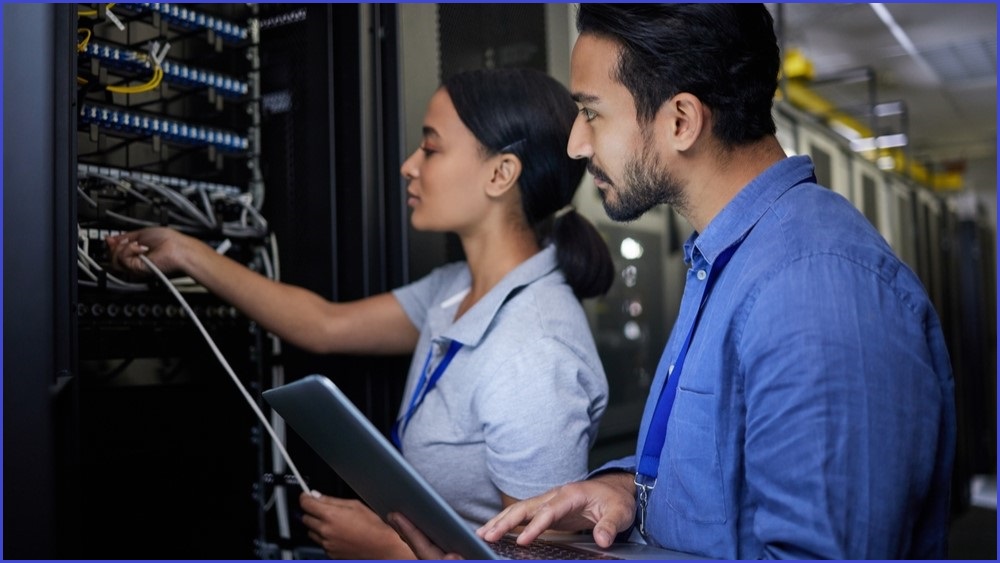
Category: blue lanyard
[421,390]
[656,434]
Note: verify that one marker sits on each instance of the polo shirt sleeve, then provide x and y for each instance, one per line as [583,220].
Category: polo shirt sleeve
[538,409]
[417,298]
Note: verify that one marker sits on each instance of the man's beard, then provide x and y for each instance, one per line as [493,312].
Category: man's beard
[646,185]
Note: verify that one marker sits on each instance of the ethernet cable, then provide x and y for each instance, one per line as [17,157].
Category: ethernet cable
[246,395]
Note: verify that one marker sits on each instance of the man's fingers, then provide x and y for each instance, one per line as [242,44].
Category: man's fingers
[605,532]
[513,516]
[613,518]
[538,521]
[541,520]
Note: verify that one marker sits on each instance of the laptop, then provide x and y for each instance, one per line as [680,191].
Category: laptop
[316,409]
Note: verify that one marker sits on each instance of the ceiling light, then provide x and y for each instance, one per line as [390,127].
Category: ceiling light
[881,142]
[904,40]
[886,109]
[885,163]
[845,131]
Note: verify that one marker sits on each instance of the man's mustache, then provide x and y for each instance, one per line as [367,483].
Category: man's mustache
[596,172]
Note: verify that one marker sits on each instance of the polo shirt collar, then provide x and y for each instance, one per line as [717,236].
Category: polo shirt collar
[472,326]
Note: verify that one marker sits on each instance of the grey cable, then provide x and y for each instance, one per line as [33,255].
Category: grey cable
[232,375]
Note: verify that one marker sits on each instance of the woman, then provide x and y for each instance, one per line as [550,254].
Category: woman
[517,386]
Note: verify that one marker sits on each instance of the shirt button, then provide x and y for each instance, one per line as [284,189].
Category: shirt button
[702,275]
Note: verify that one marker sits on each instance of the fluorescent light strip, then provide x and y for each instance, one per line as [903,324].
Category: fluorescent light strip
[904,40]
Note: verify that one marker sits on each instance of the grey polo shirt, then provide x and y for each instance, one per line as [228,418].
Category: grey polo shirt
[517,408]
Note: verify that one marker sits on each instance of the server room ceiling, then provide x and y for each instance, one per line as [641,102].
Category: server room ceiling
[938,59]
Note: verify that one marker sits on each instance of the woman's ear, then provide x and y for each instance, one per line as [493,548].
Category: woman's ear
[506,172]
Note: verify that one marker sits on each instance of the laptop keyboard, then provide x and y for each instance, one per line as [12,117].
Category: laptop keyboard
[507,548]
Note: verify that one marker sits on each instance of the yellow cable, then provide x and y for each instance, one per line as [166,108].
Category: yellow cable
[151,85]
[91,13]
[82,45]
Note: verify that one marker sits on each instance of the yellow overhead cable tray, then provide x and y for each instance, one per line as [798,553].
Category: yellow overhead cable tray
[798,72]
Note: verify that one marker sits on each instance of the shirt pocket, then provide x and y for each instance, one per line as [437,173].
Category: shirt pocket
[694,487]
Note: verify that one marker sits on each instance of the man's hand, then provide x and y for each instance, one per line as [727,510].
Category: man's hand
[605,503]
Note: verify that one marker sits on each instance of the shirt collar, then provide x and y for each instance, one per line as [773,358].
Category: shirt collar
[745,210]
[472,326]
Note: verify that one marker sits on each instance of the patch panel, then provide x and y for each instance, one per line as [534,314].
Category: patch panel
[173,72]
[183,16]
[119,119]
[179,184]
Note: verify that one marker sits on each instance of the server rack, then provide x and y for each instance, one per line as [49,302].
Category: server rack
[135,443]
[167,133]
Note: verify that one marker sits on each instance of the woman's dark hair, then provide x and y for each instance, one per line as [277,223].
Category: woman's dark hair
[529,114]
[724,54]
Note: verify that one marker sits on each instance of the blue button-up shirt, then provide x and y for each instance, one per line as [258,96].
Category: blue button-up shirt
[814,415]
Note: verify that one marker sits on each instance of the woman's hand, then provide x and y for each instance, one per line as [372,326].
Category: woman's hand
[347,529]
[420,544]
[165,247]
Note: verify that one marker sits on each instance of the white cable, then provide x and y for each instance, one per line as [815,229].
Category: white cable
[85,269]
[187,281]
[114,19]
[277,378]
[110,277]
[265,262]
[247,204]
[224,246]
[81,237]
[232,375]
[275,265]
[209,212]
[181,202]
[280,499]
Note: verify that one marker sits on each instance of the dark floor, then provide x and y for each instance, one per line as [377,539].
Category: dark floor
[974,535]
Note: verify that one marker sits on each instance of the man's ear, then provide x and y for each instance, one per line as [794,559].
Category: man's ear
[685,119]
[506,173]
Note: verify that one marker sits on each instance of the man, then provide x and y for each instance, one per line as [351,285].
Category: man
[809,398]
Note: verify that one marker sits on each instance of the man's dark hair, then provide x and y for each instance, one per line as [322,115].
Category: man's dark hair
[724,54]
